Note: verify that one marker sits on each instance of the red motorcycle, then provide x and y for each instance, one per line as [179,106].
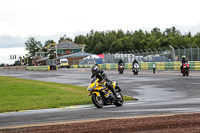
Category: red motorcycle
[185,69]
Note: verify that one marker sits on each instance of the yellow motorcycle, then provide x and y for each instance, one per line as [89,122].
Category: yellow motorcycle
[100,93]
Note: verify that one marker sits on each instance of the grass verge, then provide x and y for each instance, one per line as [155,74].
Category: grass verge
[23,94]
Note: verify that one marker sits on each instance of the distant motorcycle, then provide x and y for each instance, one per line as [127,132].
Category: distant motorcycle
[135,69]
[185,69]
[121,68]
[99,92]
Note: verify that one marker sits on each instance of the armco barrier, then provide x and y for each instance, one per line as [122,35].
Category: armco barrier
[14,68]
[113,66]
[169,66]
[145,66]
[196,65]
[74,66]
[150,66]
[160,66]
[38,68]
[103,66]
[177,65]
[129,66]
[100,66]
[192,65]
[108,67]
[80,66]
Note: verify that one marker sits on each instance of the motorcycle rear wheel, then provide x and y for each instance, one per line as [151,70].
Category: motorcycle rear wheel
[135,73]
[97,101]
[120,71]
[187,72]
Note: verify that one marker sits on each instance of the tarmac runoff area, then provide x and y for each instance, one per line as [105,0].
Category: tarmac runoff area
[164,93]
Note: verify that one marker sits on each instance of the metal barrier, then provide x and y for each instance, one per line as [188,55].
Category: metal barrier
[38,68]
[14,68]
[171,54]
[194,65]
[35,68]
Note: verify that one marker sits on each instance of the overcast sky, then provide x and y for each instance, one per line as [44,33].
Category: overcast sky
[51,19]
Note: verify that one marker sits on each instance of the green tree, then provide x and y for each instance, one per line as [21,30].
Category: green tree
[122,45]
[109,38]
[120,34]
[115,41]
[32,45]
[80,39]
[99,48]
[139,40]
[64,38]
[197,39]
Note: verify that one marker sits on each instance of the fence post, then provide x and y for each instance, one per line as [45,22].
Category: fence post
[184,50]
[147,54]
[197,50]
[160,50]
[138,52]
[179,56]
[133,52]
[142,52]
[191,52]
[156,50]
[173,52]
[167,53]
[151,53]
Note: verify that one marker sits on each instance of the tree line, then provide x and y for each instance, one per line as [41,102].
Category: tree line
[112,41]
[119,41]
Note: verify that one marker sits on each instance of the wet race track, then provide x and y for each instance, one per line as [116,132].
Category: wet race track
[166,92]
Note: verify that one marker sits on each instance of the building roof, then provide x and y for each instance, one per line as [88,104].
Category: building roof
[67,44]
[79,54]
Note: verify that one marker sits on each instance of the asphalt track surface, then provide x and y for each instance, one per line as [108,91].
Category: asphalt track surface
[163,93]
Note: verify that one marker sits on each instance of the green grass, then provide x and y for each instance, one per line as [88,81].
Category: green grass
[22,94]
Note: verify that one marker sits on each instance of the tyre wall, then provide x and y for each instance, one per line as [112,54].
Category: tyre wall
[145,66]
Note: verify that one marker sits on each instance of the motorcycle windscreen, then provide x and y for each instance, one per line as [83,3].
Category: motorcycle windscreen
[93,84]
[114,84]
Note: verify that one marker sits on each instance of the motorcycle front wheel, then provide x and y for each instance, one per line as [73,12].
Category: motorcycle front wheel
[187,72]
[119,99]
[97,101]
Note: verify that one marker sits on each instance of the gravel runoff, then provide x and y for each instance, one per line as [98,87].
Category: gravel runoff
[173,123]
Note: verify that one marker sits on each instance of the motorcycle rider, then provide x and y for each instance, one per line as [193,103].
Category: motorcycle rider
[183,60]
[100,74]
[120,63]
[135,61]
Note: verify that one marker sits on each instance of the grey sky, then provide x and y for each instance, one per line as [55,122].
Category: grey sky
[50,19]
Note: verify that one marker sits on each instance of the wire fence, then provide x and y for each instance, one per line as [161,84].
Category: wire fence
[168,55]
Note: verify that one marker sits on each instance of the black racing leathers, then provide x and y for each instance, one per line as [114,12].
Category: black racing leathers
[102,76]
[120,62]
